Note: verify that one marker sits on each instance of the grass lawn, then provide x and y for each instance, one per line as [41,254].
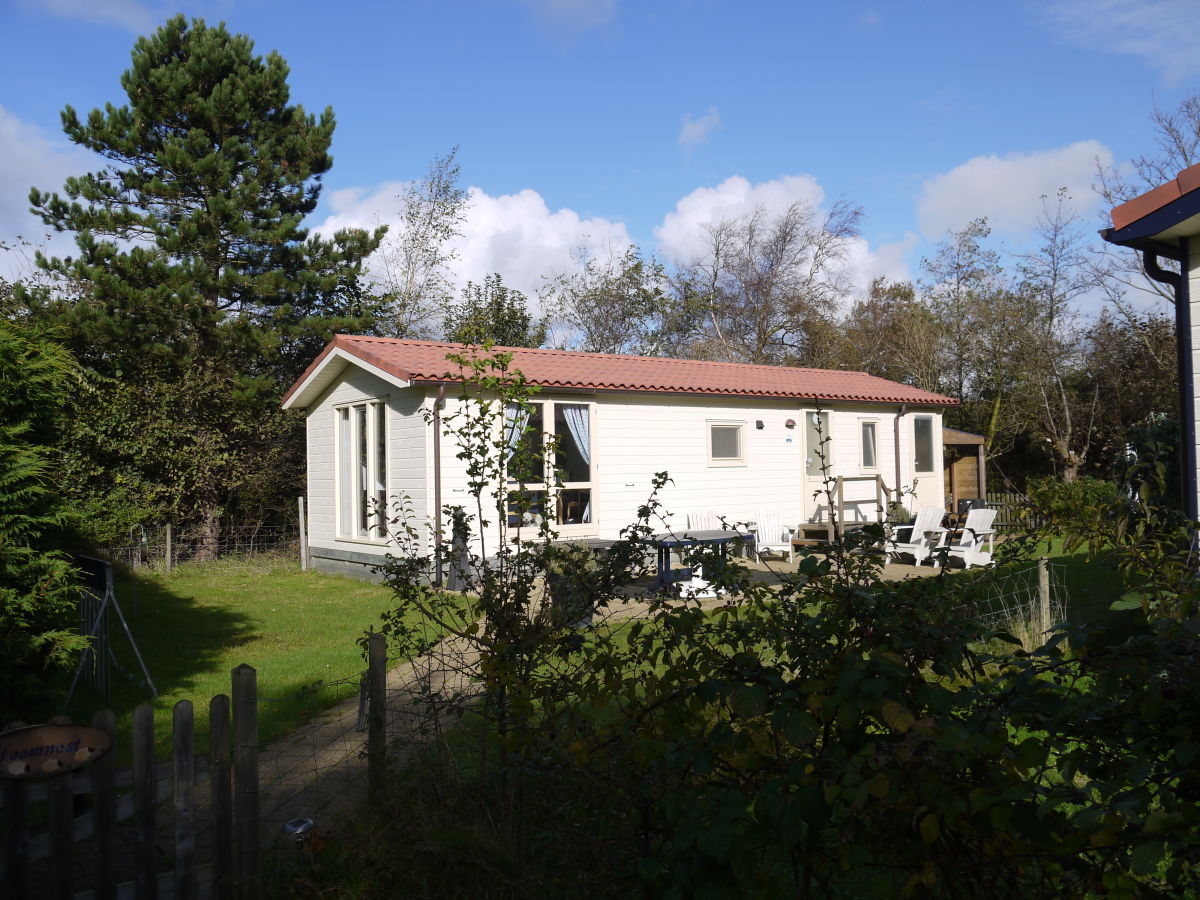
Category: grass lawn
[197,623]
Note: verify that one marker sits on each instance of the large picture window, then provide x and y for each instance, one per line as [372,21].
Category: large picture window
[556,485]
[923,443]
[361,488]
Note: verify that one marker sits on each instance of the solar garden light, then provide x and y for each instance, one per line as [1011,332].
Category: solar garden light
[298,830]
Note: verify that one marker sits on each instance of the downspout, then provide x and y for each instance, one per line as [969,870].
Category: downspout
[1187,395]
[437,484]
[896,431]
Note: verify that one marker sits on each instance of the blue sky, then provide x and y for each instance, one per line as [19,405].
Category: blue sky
[606,121]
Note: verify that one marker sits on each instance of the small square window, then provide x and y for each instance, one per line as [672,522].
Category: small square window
[724,443]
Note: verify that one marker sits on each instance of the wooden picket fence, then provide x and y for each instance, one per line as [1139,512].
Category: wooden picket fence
[1006,504]
[231,771]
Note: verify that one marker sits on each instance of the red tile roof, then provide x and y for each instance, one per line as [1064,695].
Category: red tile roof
[425,362]
[1155,199]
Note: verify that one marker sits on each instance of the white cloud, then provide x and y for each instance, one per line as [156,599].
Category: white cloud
[1162,33]
[1008,189]
[517,235]
[573,16]
[31,159]
[696,131]
[870,19]
[681,234]
[127,13]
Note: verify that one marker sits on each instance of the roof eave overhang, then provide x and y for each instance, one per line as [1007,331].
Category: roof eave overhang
[1160,230]
[948,403]
[333,362]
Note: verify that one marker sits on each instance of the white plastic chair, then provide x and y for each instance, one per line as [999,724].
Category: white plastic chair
[704,520]
[924,536]
[969,545]
[770,534]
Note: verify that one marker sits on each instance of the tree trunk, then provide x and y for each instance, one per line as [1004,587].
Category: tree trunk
[208,534]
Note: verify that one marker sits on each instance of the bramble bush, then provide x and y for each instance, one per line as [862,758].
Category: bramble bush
[836,735]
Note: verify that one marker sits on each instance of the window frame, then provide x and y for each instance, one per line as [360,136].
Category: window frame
[862,444]
[917,470]
[725,462]
[376,531]
[548,486]
[827,440]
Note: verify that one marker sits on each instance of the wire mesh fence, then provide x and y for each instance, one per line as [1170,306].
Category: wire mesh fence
[1026,603]
[163,547]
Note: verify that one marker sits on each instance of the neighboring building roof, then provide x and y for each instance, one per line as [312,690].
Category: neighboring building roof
[1158,218]
[424,362]
[954,436]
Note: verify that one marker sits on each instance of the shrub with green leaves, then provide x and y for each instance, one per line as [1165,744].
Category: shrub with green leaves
[37,599]
[836,735]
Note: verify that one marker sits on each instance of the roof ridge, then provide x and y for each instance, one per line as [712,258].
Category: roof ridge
[558,351]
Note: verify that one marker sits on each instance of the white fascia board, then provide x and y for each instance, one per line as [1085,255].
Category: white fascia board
[331,366]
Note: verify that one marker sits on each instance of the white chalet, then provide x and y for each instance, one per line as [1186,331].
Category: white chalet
[734,438]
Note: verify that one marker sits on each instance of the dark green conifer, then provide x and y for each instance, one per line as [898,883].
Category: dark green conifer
[194,271]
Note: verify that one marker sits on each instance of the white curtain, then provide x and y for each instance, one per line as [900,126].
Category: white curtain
[516,419]
[580,426]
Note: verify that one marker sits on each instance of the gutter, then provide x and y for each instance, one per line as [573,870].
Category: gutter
[437,484]
[896,431]
[1187,380]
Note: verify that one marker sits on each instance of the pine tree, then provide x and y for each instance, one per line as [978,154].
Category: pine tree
[194,268]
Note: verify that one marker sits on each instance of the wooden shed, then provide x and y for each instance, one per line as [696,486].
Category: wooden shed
[964,462]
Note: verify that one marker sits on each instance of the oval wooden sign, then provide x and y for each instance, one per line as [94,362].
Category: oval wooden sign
[39,751]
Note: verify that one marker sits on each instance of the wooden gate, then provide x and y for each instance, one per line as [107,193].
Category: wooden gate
[68,852]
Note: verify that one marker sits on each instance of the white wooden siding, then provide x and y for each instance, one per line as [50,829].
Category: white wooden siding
[633,437]
[406,453]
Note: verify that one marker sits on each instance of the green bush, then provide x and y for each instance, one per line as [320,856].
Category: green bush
[37,599]
[835,736]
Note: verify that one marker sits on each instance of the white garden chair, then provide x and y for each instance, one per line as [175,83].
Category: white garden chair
[919,539]
[969,545]
[770,534]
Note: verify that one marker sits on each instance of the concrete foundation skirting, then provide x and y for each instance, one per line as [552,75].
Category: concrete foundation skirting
[346,562]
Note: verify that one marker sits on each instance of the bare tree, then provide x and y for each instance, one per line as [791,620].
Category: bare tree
[767,283]
[1054,276]
[1177,139]
[414,259]
[616,302]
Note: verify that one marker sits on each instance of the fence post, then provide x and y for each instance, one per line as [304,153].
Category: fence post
[16,833]
[169,543]
[145,791]
[376,710]
[222,796]
[303,536]
[61,793]
[245,764]
[104,809]
[185,778]
[1044,595]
